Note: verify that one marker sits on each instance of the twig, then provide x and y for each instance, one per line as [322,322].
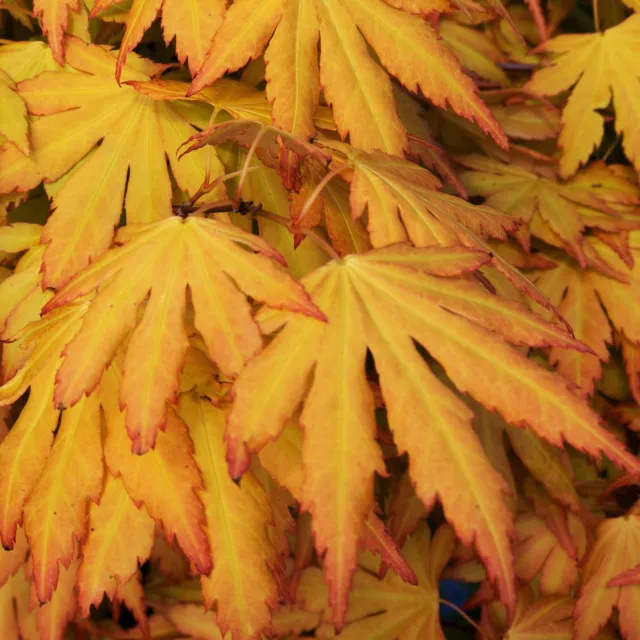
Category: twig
[609,151]
[470,620]
[245,168]
[319,187]
[207,187]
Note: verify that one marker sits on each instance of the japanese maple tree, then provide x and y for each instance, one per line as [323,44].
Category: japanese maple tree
[319,318]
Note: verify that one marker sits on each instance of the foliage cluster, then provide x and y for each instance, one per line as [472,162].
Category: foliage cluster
[311,308]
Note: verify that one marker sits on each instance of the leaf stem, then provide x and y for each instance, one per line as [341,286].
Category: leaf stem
[319,187]
[245,167]
[460,612]
[207,187]
[309,233]
[596,14]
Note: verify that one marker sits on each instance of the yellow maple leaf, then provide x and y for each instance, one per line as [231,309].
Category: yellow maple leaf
[354,85]
[572,291]
[164,479]
[120,536]
[597,65]
[616,549]
[13,115]
[208,256]
[381,300]
[24,452]
[283,460]
[475,50]
[545,617]
[538,552]
[242,581]
[533,194]
[76,111]
[52,617]
[389,608]
[54,17]
[402,202]
[191,22]
[57,510]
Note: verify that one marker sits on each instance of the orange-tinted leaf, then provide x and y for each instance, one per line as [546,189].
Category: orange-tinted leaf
[392,294]
[549,617]
[191,22]
[210,257]
[24,451]
[164,479]
[354,85]
[53,616]
[54,17]
[616,549]
[136,134]
[13,122]
[389,608]
[241,582]
[56,513]
[595,63]
[120,536]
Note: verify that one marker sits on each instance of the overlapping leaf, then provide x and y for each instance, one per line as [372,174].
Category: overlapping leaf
[533,194]
[165,258]
[381,300]
[283,460]
[242,581]
[110,136]
[164,479]
[120,536]
[616,549]
[192,23]
[354,85]
[546,617]
[389,608]
[598,65]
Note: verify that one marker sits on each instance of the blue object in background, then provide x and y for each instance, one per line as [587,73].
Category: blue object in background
[456,592]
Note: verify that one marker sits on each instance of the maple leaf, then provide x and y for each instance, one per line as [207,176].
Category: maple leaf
[475,50]
[616,549]
[406,510]
[57,508]
[546,464]
[545,617]
[166,257]
[191,23]
[540,552]
[238,99]
[283,461]
[24,452]
[620,284]
[20,61]
[52,617]
[266,141]
[13,121]
[136,134]
[402,202]
[381,300]
[354,85]
[54,17]
[572,291]
[120,536]
[596,64]
[241,581]
[389,608]
[525,119]
[534,195]
[164,479]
